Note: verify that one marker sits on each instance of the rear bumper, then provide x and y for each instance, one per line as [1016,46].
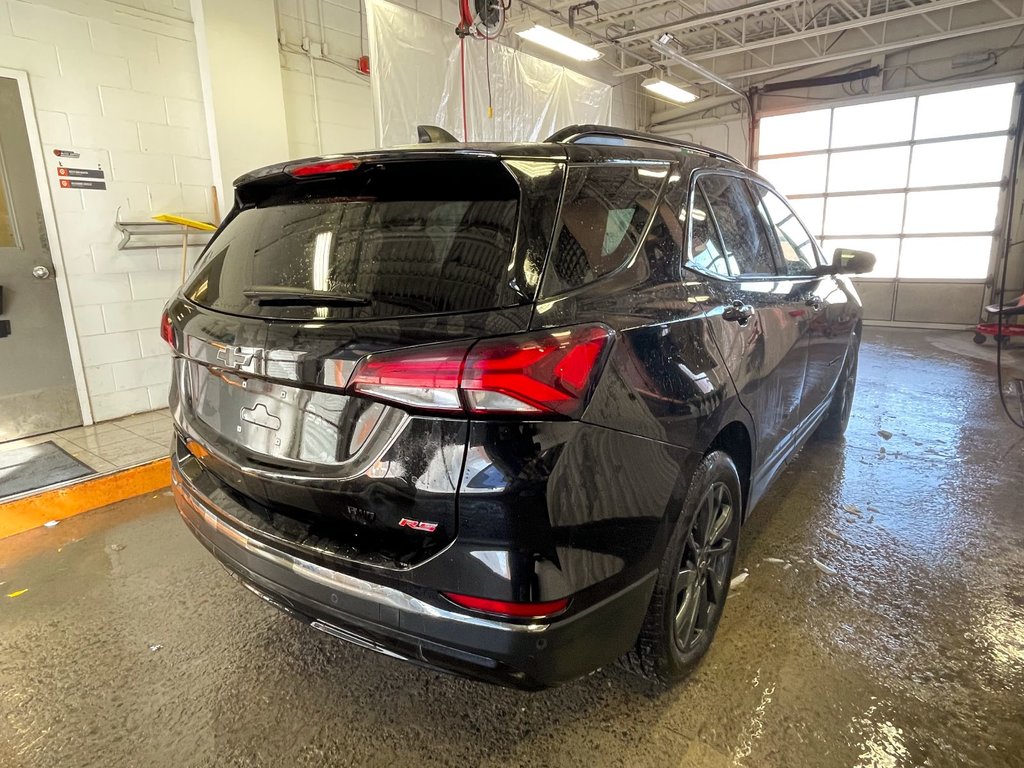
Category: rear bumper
[393,622]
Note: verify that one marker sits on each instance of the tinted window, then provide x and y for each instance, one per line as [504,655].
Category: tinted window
[661,252]
[706,251]
[744,238]
[795,244]
[402,238]
[604,212]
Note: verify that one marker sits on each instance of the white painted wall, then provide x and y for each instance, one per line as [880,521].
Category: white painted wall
[342,94]
[728,134]
[242,95]
[123,82]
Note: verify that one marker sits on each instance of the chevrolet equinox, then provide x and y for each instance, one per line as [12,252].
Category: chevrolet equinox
[501,409]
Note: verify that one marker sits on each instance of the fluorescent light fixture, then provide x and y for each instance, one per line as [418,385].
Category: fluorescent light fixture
[668,91]
[559,43]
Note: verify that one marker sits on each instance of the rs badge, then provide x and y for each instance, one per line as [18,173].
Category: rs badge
[418,525]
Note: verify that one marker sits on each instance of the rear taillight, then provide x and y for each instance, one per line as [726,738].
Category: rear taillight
[166,330]
[506,608]
[548,373]
[545,373]
[424,378]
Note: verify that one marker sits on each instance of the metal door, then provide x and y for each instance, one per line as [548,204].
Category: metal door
[37,386]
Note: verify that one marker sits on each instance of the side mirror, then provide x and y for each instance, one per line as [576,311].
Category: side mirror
[846,261]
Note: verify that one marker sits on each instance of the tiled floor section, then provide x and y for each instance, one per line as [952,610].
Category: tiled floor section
[112,444]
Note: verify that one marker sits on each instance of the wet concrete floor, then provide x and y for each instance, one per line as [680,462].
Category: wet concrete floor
[131,647]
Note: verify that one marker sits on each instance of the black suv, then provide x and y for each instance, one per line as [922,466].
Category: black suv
[500,409]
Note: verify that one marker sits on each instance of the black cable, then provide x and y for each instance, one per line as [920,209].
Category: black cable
[1018,131]
[1003,50]
[944,78]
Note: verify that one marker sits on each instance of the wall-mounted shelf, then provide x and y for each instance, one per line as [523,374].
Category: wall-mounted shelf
[167,232]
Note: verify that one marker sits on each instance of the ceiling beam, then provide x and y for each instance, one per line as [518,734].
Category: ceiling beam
[703,19]
[868,51]
[902,13]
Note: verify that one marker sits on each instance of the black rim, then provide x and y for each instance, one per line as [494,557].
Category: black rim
[701,580]
[848,387]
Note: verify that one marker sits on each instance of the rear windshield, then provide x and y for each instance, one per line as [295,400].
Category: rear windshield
[387,239]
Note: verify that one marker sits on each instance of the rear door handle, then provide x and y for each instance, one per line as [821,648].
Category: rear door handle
[738,312]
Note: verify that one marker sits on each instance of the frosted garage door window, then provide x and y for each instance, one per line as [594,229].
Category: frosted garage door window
[800,132]
[970,161]
[868,169]
[952,258]
[905,202]
[796,175]
[881,122]
[956,113]
[952,210]
[856,214]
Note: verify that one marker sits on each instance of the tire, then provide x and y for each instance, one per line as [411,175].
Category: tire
[979,338]
[837,417]
[1003,341]
[693,581]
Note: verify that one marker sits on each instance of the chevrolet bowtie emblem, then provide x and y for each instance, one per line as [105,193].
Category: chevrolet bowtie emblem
[235,357]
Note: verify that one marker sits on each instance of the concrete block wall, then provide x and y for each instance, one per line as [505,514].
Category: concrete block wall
[124,84]
[343,95]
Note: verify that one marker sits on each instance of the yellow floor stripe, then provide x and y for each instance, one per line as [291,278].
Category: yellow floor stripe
[93,493]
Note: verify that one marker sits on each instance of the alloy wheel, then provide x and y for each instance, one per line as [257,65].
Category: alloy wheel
[701,580]
[849,385]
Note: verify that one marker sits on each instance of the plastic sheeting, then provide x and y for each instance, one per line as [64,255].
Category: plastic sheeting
[416,79]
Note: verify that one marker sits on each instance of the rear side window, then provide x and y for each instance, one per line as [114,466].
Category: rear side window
[795,245]
[395,238]
[604,212]
[745,240]
[706,250]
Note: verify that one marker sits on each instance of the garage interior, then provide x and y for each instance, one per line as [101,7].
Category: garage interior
[877,615]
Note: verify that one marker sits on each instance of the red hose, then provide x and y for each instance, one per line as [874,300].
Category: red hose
[466,14]
[462,62]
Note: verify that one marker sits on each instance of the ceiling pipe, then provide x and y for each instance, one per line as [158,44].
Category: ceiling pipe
[671,52]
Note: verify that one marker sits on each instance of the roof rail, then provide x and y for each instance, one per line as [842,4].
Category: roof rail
[577,134]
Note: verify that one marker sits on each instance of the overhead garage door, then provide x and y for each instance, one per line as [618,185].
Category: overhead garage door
[918,181]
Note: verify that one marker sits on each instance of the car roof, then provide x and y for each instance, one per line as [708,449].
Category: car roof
[575,144]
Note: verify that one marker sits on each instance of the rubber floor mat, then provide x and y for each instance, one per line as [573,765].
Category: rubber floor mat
[37,466]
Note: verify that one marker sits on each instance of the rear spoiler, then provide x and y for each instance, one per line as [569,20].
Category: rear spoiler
[432,134]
